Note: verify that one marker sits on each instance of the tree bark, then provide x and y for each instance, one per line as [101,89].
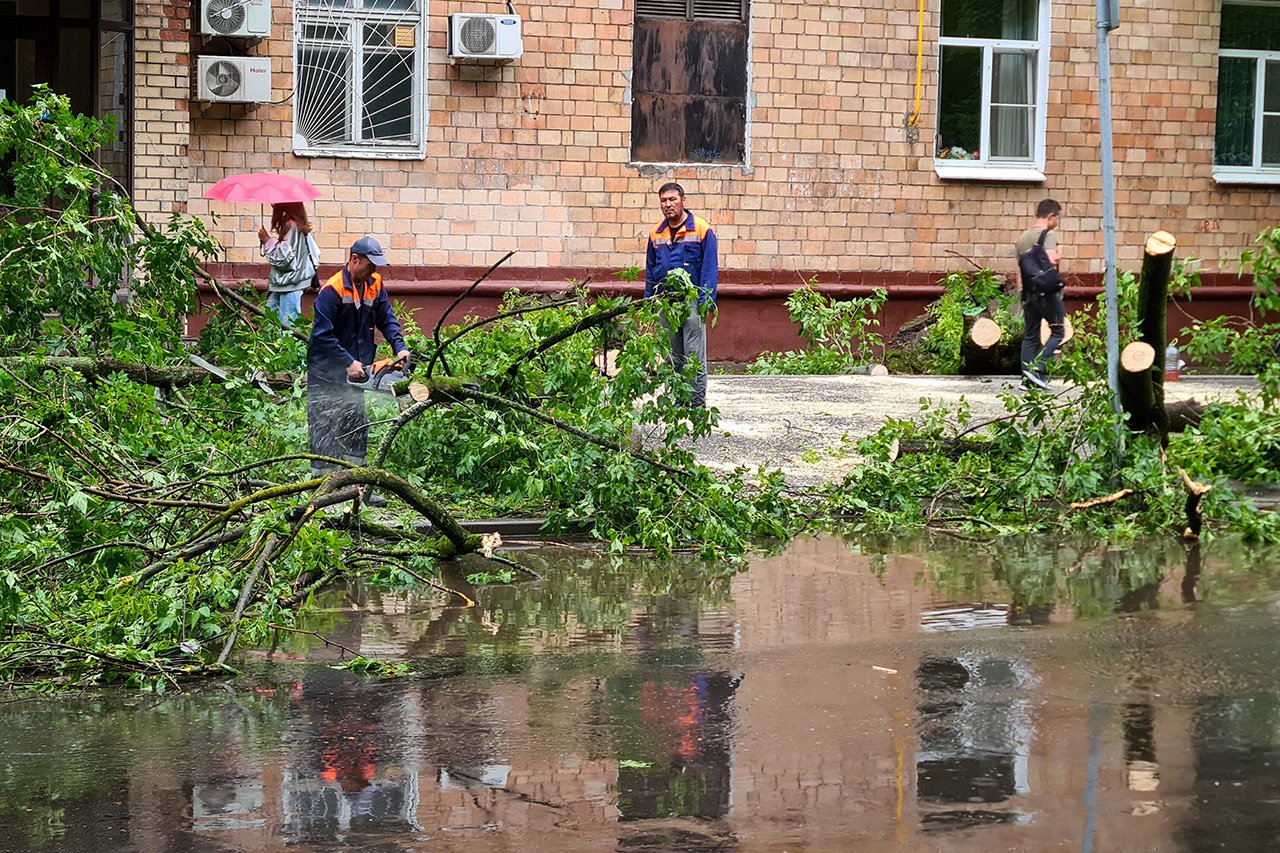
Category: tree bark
[983,354]
[1153,300]
[160,376]
[1137,391]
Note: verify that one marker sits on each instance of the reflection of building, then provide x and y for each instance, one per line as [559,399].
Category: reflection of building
[322,809]
[975,739]
[834,721]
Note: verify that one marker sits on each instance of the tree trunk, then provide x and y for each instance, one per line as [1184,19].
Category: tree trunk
[1153,300]
[160,376]
[983,354]
[1137,391]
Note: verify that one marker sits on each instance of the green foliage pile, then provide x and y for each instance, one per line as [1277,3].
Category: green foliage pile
[1248,344]
[839,334]
[965,295]
[497,461]
[105,481]
[1021,472]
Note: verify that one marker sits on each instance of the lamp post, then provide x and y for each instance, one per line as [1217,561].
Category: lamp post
[1108,20]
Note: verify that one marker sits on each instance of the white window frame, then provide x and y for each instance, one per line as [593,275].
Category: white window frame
[1257,173]
[988,168]
[354,16]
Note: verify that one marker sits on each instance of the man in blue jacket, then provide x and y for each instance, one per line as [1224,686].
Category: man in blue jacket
[349,306]
[684,241]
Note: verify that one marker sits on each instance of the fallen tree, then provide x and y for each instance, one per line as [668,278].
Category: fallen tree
[156,511]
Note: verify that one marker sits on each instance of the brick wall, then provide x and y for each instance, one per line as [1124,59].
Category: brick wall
[533,156]
[162,124]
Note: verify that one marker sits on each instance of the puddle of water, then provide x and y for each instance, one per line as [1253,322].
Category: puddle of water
[833,697]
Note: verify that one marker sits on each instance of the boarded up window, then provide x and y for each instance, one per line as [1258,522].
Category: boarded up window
[689,81]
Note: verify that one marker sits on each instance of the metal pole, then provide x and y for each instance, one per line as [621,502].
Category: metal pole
[1106,22]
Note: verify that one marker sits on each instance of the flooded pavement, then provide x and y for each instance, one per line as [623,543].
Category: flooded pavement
[836,696]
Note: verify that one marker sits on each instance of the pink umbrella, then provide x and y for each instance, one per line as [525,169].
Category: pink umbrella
[262,188]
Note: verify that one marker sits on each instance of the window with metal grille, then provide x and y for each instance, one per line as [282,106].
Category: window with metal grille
[359,78]
[689,81]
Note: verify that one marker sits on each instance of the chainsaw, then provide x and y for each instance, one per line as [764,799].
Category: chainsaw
[381,376]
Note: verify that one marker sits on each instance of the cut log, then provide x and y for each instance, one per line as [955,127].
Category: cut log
[868,370]
[985,332]
[1137,391]
[983,354]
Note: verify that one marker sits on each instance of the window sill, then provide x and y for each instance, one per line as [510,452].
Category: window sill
[361,153]
[1246,176]
[961,171]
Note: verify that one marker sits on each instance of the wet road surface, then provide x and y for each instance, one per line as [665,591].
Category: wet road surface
[836,696]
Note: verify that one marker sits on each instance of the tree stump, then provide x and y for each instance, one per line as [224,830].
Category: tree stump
[983,354]
[1137,392]
[1153,299]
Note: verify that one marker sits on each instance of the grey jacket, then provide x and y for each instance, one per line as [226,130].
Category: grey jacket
[293,258]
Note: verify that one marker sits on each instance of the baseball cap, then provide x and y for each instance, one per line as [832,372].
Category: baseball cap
[371,249]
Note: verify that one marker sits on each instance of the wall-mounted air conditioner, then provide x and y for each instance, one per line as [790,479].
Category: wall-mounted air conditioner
[237,18]
[484,36]
[233,79]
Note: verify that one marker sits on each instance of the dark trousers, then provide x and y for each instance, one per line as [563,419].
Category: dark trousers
[1050,308]
[690,341]
[337,425]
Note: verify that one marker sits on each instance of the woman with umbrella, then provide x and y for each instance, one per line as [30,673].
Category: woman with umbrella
[289,246]
[294,258]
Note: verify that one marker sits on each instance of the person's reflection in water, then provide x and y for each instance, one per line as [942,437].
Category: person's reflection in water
[675,760]
[339,778]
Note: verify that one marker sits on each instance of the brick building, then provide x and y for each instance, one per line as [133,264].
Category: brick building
[867,144]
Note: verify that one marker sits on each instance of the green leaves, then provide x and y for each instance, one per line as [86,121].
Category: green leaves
[840,334]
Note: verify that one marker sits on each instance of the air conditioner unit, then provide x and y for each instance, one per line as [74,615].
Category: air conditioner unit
[237,18]
[233,79]
[484,37]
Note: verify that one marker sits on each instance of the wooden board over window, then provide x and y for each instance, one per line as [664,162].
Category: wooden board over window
[689,81]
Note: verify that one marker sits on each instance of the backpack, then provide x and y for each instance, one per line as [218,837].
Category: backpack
[1039,276]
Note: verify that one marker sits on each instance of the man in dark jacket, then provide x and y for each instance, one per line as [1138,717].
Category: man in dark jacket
[684,241]
[1039,303]
[350,305]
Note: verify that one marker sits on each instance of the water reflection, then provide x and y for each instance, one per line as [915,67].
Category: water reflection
[675,759]
[1236,774]
[975,740]
[348,769]
[826,699]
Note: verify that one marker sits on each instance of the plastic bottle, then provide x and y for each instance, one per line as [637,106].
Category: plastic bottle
[1171,364]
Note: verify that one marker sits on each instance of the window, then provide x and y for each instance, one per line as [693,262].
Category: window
[1247,144]
[359,78]
[689,81]
[993,79]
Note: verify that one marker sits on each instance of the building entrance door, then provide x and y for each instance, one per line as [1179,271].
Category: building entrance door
[79,48]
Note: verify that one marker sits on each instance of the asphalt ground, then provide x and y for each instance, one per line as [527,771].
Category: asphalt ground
[808,425]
